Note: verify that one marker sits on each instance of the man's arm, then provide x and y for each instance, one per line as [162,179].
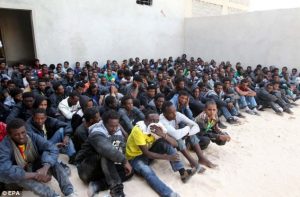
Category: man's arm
[104,147]
[176,133]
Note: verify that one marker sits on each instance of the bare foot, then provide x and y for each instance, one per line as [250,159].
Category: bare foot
[207,163]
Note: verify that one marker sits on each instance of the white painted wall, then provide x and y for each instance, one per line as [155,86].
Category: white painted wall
[267,38]
[77,30]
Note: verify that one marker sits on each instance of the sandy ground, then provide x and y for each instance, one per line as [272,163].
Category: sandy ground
[263,159]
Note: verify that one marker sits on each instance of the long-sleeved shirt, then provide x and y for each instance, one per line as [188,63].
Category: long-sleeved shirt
[66,110]
[192,127]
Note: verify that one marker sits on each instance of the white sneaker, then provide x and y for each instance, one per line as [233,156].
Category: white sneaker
[249,111]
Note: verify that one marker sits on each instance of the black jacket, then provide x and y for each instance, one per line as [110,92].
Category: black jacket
[19,111]
[51,124]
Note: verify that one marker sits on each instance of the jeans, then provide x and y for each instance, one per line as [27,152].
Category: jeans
[245,101]
[228,113]
[193,139]
[42,189]
[141,163]
[58,137]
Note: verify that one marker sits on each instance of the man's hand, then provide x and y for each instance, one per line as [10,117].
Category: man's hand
[42,174]
[128,168]
[175,157]
[66,140]
[230,105]
[157,130]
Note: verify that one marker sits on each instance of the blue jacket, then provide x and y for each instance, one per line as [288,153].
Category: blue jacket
[8,167]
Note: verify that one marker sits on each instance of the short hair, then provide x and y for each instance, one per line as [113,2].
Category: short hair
[178,80]
[244,80]
[159,95]
[217,84]
[15,124]
[151,87]
[90,113]
[15,91]
[226,79]
[111,114]
[183,93]
[109,99]
[39,111]
[166,105]
[28,94]
[74,94]
[56,85]
[125,98]
[148,112]
[210,102]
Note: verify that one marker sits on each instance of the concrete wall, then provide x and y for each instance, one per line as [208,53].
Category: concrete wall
[77,30]
[267,38]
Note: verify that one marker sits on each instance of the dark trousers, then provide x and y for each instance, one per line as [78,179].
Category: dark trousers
[101,170]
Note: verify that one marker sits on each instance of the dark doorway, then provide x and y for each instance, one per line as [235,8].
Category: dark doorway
[16,36]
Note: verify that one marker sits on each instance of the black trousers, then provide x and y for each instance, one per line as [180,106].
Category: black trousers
[101,170]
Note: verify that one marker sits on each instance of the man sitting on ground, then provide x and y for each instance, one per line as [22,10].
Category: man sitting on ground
[142,147]
[28,160]
[101,162]
[171,120]
[52,129]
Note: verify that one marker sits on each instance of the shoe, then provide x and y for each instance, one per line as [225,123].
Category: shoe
[221,125]
[241,115]
[287,110]
[249,111]
[294,104]
[174,194]
[66,168]
[117,191]
[72,195]
[93,189]
[256,112]
[187,175]
[279,113]
[260,107]
[72,159]
[231,121]
[199,169]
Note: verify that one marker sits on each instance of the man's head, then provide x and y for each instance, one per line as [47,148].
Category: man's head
[183,98]
[151,91]
[151,117]
[227,83]
[276,85]
[42,85]
[91,116]
[159,100]
[137,81]
[59,89]
[16,94]
[179,83]
[70,74]
[244,83]
[111,121]
[269,87]
[73,98]
[28,99]
[211,108]
[218,87]
[111,102]
[16,131]
[169,110]
[127,102]
[39,117]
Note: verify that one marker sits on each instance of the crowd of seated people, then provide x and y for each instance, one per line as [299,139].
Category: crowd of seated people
[113,120]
